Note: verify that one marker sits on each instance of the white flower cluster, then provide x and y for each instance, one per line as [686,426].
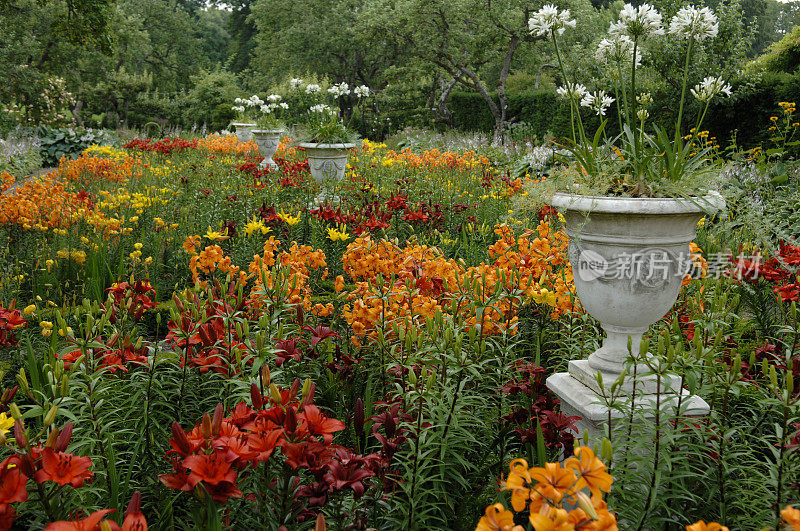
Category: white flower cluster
[321,107]
[617,49]
[295,82]
[598,101]
[274,98]
[339,89]
[636,22]
[361,91]
[252,101]
[690,22]
[548,19]
[539,157]
[709,88]
[576,91]
[313,88]
[238,108]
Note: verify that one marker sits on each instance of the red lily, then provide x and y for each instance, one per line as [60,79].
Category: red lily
[212,469]
[134,519]
[319,424]
[64,468]
[89,523]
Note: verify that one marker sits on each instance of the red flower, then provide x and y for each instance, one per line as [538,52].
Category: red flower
[64,468]
[349,472]
[319,333]
[212,469]
[790,292]
[89,523]
[134,519]
[7,518]
[319,424]
[264,443]
[286,349]
[12,485]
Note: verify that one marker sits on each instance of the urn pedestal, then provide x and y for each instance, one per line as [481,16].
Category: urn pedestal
[267,141]
[629,257]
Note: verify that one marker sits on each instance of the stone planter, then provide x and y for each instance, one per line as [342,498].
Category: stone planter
[244,131]
[328,163]
[267,140]
[629,257]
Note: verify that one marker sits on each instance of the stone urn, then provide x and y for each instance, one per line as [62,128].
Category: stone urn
[244,131]
[327,163]
[629,257]
[267,140]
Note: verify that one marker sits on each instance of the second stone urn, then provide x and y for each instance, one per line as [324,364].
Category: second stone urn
[267,141]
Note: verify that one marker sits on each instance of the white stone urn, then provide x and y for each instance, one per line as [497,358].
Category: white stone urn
[327,163]
[267,140]
[629,257]
[244,131]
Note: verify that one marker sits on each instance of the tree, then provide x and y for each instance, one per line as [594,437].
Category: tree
[472,42]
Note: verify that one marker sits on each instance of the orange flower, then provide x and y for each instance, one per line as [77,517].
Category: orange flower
[590,470]
[190,244]
[553,482]
[551,519]
[792,517]
[339,284]
[519,482]
[702,526]
[498,519]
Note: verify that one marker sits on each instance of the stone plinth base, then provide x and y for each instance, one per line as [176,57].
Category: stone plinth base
[578,392]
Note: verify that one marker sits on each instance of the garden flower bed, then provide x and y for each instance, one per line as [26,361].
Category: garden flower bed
[188,332]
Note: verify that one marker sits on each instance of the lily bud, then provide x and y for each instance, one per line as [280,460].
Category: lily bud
[205,426]
[19,434]
[586,504]
[294,388]
[266,376]
[63,438]
[180,438]
[358,417]
[255,396]
[139,343]
[16,414]
[308,399]
[22,380]
[275,394]
[320,525]
[216,421]
[52,438]
[178,303]
[290,424]
[50,417]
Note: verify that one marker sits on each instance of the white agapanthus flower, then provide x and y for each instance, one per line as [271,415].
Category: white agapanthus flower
[266,109]
[321,107]
[637,22]
[283,105]
[577,91]
[548,19]
[617,49]
[340,89]
[313,88]
[274,98]
[238,108]
[691,22]
[361,91]
[642,114]
[254,101]
[238,100]
[644,98]
[709,88]
[295,82]
[598,101]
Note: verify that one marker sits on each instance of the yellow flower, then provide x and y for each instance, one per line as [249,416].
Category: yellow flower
[6,423]
[158,221]
[63,332]
[338,234]
[255,225]
[49,264]
[134,219]
[84,239]
[291,221]
[148,260]
[29,309]
[79,256]
[137,246]
[215,236]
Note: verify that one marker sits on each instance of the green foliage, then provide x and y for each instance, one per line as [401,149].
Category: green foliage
[57,143]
